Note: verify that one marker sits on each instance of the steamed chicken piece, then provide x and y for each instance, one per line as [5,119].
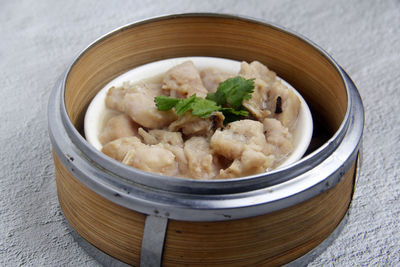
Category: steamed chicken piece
[288,109]
[250,162]
[257,104]
[232,140]
[194,157]
[256,70]
[192,125]
[263,79]
[183,81]
[270,97]
[138,102]
[153,158]
[201,163]
[243,142]
[154,137]
[118,148]
[171,141]
[115,97]
[278,137]
[118,126]
[212,77]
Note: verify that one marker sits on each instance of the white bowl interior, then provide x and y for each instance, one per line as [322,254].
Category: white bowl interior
[97,112]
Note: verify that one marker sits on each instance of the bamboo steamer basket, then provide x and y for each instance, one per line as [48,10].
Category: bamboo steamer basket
[268,219]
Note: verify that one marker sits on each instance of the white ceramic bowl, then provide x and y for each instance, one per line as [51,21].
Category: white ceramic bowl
[97,112]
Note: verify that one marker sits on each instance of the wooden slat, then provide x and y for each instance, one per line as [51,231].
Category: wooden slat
[112,228]
[267,240]
[271,239]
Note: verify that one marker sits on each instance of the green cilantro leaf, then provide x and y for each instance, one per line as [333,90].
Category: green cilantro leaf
[241,112]
[165,103]
[218,97]
[227,99]
[200,107]
[184,105]
[203,108]
[232,92]
[233,115]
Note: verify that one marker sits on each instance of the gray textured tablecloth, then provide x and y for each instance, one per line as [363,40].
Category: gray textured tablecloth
[39,39]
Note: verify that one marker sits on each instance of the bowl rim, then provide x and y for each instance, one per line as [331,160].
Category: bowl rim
[109,177]
[97,109]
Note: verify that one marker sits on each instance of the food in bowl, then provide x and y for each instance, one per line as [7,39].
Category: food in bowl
[196,121]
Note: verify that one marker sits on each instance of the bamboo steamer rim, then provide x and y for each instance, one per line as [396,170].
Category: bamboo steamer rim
[198,200]
[275,176]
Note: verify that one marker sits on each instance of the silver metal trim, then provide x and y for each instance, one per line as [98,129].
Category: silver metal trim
[153,241]
[318,250]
